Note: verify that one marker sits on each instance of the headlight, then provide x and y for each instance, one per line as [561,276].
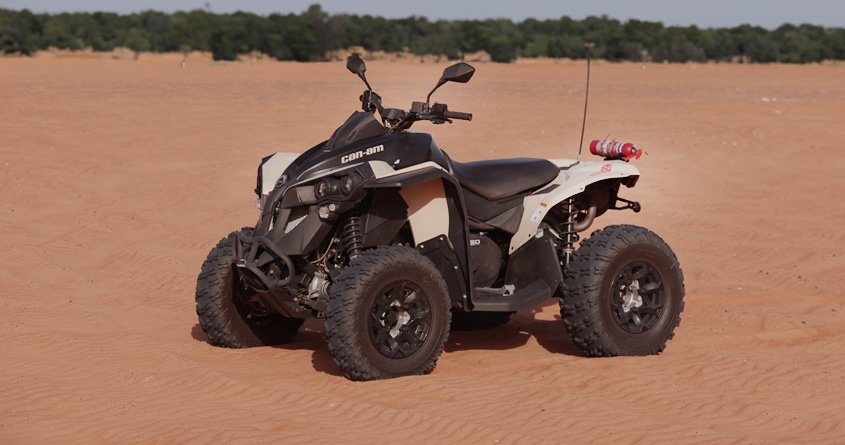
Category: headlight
[322,189]
[332,186]
[346,184]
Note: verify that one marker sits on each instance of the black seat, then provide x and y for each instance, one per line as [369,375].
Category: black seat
[501,178]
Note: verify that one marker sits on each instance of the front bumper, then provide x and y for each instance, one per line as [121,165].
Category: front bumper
[255,253]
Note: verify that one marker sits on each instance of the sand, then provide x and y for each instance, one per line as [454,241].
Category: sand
[118,176]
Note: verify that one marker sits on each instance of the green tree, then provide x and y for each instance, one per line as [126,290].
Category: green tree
[311,34]
[18,32]
[501,50]
[222,47]
[538,46]
[136,41]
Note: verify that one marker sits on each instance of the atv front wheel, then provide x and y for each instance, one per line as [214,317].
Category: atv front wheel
[228,311]
[624,293]
[388,315]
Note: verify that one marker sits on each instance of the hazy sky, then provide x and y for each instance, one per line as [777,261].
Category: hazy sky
[712,13]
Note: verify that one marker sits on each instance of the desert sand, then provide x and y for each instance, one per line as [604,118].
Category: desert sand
[118,176]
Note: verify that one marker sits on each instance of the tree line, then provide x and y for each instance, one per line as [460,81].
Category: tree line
[313,34]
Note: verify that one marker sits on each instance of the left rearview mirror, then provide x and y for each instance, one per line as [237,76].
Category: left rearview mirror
[355,64]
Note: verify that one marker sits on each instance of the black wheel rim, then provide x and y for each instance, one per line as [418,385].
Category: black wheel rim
[638,297]
[400,320]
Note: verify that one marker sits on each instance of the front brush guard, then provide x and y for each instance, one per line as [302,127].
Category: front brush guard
[248,265]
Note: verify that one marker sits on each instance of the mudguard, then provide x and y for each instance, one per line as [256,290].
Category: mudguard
[437,218]
[573,179]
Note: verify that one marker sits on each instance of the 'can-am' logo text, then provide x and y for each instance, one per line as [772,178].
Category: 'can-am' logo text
[361,153]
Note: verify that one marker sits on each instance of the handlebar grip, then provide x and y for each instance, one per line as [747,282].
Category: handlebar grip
[458,115]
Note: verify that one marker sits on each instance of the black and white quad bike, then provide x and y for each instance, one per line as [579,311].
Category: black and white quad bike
[390,241]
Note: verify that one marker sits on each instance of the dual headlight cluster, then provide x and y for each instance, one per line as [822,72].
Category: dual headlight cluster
[326,187]
[334,186]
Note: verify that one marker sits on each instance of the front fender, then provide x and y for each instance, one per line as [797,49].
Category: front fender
[436,214]
[572,180]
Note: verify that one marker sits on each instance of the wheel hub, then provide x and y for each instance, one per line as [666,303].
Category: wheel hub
[401,319]
[638,297]
[397,319]
[631,298]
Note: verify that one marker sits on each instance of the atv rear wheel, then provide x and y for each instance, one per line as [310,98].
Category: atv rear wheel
[228,312]
[388,315]
[624,293]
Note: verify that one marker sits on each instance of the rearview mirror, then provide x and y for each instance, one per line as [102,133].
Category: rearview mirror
[355,64]
[459,72]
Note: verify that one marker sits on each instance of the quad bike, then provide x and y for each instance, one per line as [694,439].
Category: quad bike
[390,241]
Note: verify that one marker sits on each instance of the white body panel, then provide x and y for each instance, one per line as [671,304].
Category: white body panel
[428,212]
[382,169]
[570,182]
[273,169]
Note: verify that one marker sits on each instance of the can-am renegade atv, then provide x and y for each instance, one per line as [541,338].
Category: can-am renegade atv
[390,241]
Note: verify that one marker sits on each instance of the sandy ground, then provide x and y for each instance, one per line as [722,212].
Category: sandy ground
[116,178]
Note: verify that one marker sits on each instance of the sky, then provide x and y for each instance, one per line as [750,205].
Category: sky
[705,14]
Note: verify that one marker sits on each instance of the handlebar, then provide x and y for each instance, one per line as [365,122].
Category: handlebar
[399,120]
[458,115]
[441,113]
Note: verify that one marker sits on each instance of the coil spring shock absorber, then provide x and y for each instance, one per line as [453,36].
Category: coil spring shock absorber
[352,238]
[570,235]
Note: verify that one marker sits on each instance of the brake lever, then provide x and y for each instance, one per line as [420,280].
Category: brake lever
[370,101]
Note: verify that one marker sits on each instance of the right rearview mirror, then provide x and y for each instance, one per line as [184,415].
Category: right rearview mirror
[459,72]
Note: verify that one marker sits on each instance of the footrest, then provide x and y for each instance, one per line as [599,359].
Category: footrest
[529,296]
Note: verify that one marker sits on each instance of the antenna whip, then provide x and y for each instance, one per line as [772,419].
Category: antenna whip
[589,47]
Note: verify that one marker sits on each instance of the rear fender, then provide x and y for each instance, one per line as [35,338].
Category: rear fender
[572,180]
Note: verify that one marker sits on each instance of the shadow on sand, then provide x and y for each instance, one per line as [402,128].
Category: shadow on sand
[550,334]
[309,337]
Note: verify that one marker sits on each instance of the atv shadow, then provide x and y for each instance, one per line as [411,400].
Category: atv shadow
[550,334]
[498,338]
[198,334]
[309,337]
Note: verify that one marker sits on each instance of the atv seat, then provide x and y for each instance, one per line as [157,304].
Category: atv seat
[502,178]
